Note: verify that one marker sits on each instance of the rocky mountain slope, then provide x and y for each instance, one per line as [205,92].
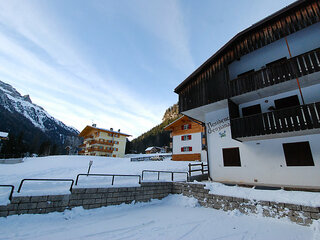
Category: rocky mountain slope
[155,136]
[30,122]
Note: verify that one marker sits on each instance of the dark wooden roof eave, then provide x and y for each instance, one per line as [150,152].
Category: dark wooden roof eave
[236,37]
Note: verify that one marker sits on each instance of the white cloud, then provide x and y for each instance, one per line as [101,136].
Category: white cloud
[86,94]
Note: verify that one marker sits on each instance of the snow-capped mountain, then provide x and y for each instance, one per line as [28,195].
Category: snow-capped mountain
[18,114]
[12,100]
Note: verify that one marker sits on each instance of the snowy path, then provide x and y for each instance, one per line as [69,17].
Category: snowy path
[175,217]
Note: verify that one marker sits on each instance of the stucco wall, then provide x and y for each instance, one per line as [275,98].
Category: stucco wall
[195,143]
[263,161]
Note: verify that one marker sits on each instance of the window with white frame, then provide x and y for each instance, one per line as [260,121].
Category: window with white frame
[185,137]
[186,149]
[186,126]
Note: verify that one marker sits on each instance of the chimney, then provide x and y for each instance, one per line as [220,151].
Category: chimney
[94,125]
[111,129]
[118,130]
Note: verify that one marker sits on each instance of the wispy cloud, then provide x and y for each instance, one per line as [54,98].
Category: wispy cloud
[40,57]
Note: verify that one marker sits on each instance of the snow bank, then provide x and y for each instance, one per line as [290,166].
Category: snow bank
[158,219]
[295,197]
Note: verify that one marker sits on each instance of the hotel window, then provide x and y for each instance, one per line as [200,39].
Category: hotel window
[186,149]
[186,126]
[185,137]
[231,157]
[298,154]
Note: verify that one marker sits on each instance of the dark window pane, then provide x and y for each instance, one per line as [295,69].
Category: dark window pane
[287,102]
[231,157]
[252,110]
[298,154]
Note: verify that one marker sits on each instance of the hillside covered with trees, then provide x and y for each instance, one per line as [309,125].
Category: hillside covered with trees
[155,136]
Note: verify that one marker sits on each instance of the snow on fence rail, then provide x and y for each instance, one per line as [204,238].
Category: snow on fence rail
[107,175]
[45,180]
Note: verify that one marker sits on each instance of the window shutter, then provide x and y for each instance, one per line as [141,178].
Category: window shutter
[182,127]
[189,126]
[189,137]
[181,138]
[190,149]
[182,149]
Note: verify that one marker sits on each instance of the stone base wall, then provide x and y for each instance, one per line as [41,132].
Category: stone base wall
[90,198]
[300,214]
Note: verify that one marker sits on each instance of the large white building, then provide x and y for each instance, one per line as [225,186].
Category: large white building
[259,97]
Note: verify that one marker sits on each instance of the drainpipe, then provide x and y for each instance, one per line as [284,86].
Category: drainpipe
[206,139]
[296,77]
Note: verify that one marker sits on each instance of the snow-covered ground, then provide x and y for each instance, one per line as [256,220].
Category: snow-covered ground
[296,197]
[67,167]
[175,217]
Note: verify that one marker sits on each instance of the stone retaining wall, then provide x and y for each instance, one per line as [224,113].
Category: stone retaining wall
[90,198]
[300,214]
[87,197]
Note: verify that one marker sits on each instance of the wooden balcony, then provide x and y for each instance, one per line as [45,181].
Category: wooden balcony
[97,149]
[102,142]
[88,138]
[279,72]
[81,152]
[295,121]
[82,145]
[213,88]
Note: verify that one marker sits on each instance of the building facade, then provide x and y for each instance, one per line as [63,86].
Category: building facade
[103,142]
[187,139]
[259,97]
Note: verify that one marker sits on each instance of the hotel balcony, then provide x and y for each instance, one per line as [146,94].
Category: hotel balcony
[102,142]
[293,121]
[88,138]
[97,149]
[277,77]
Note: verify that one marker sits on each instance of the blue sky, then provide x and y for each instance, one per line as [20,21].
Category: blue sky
[114,63]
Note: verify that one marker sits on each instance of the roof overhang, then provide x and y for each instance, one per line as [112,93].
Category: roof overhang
[199,113]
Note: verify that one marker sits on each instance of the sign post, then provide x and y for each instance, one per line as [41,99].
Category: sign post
[90,164]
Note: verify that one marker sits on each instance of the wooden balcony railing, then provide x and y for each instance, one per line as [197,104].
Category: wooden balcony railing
[103,142]
[94,149]
[286,70]
[297,118]
[213,88]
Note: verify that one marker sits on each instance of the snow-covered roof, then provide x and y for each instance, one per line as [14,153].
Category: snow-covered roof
[149,148]
[4,134]
[88,128]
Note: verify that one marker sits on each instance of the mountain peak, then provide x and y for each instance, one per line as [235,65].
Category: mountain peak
[27,98]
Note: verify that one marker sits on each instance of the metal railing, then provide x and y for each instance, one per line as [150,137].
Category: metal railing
[107,175]
[45,180]
[203,169]
[12,189]
[279,121]
[171,172]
